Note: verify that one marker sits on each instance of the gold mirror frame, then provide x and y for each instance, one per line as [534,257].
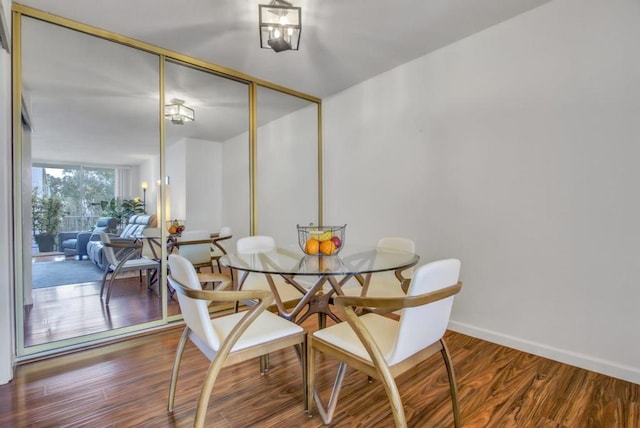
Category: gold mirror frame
[164,54]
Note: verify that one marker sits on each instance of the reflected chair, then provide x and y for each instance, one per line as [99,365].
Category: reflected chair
[288,295]
[217,249]
[195,246]
[229,339]
[75,243]
[124,256]
[384,348]
[386,284]
[152,249]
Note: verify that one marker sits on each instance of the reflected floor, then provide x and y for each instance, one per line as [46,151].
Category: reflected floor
[68,311]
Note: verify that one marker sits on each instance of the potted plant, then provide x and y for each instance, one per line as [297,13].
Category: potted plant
[122,209]
[46,216]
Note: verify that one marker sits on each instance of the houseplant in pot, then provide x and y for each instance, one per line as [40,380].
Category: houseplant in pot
[121,209]
[46,216]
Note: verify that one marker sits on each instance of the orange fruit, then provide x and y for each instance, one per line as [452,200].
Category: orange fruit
[172,230]
[327,247]
[312,246]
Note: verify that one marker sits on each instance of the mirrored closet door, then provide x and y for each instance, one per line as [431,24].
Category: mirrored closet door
[93,109]
[207,159]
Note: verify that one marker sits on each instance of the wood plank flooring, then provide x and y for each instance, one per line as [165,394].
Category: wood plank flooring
[126,384]
[76,310]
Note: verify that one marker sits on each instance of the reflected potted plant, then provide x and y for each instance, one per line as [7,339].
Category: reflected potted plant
[122,209]
[46,217]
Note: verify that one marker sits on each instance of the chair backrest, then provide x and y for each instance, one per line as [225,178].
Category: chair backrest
[109,253]
[149,246]
[423,325]
[255,244]
[136,224]
[105,224]
[194,311]
[197,254]
[399,244]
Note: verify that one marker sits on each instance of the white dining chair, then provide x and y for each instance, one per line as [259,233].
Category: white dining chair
[228,339]
[385,284]
[383,347]
[288,295]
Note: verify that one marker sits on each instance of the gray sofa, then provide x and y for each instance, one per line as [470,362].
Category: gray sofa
[133,230]
[75,243]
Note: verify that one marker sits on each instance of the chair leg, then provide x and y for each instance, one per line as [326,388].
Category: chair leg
[322,320]
[104,280]
[310,376]
[176,368]
[264,364]
[207,387]
[110,286]
[327,414]
[303,355]
[452,383]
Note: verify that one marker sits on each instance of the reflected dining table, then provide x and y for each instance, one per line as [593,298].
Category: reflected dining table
[317,277]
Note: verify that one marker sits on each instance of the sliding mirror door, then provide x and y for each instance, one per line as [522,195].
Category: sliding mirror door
[287,164]
[93,106]
[207,153]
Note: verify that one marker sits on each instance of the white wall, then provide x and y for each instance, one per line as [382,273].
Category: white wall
[287,179]
[150,172]
[204,185]
[7,347]
[235,188]
[195,170]
[515,150]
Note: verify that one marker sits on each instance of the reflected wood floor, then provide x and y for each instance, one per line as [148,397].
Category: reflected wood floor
[74,310]
[126,384]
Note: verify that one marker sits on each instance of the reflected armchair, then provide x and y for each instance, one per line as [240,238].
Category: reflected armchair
[75,243]
[133,230]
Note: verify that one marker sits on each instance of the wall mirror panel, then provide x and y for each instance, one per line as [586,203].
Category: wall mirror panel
[96,154]
[207,159]
[94,115]
[287,164]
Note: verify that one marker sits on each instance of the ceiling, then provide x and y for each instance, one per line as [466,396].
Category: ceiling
[342,43]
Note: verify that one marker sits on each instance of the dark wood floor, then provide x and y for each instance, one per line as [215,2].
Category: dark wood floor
[74,310]
[126,384]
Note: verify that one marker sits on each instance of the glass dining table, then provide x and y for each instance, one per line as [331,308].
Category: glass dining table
[318,278]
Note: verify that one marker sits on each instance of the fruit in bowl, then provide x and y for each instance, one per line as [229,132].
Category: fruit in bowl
[321,240]
[327,247]
[175,227]
[312,246]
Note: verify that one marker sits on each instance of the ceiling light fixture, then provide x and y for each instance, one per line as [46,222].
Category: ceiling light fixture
[178,112]
[280,26]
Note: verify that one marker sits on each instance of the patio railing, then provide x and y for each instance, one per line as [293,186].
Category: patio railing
[77,223]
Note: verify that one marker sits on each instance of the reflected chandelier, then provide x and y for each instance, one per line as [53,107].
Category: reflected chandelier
[178,112]
[280,26]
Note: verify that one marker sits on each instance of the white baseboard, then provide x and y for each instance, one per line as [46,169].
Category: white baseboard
[630,374]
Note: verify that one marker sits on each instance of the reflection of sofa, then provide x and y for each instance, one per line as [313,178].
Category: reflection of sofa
[132,230]
[75,243]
